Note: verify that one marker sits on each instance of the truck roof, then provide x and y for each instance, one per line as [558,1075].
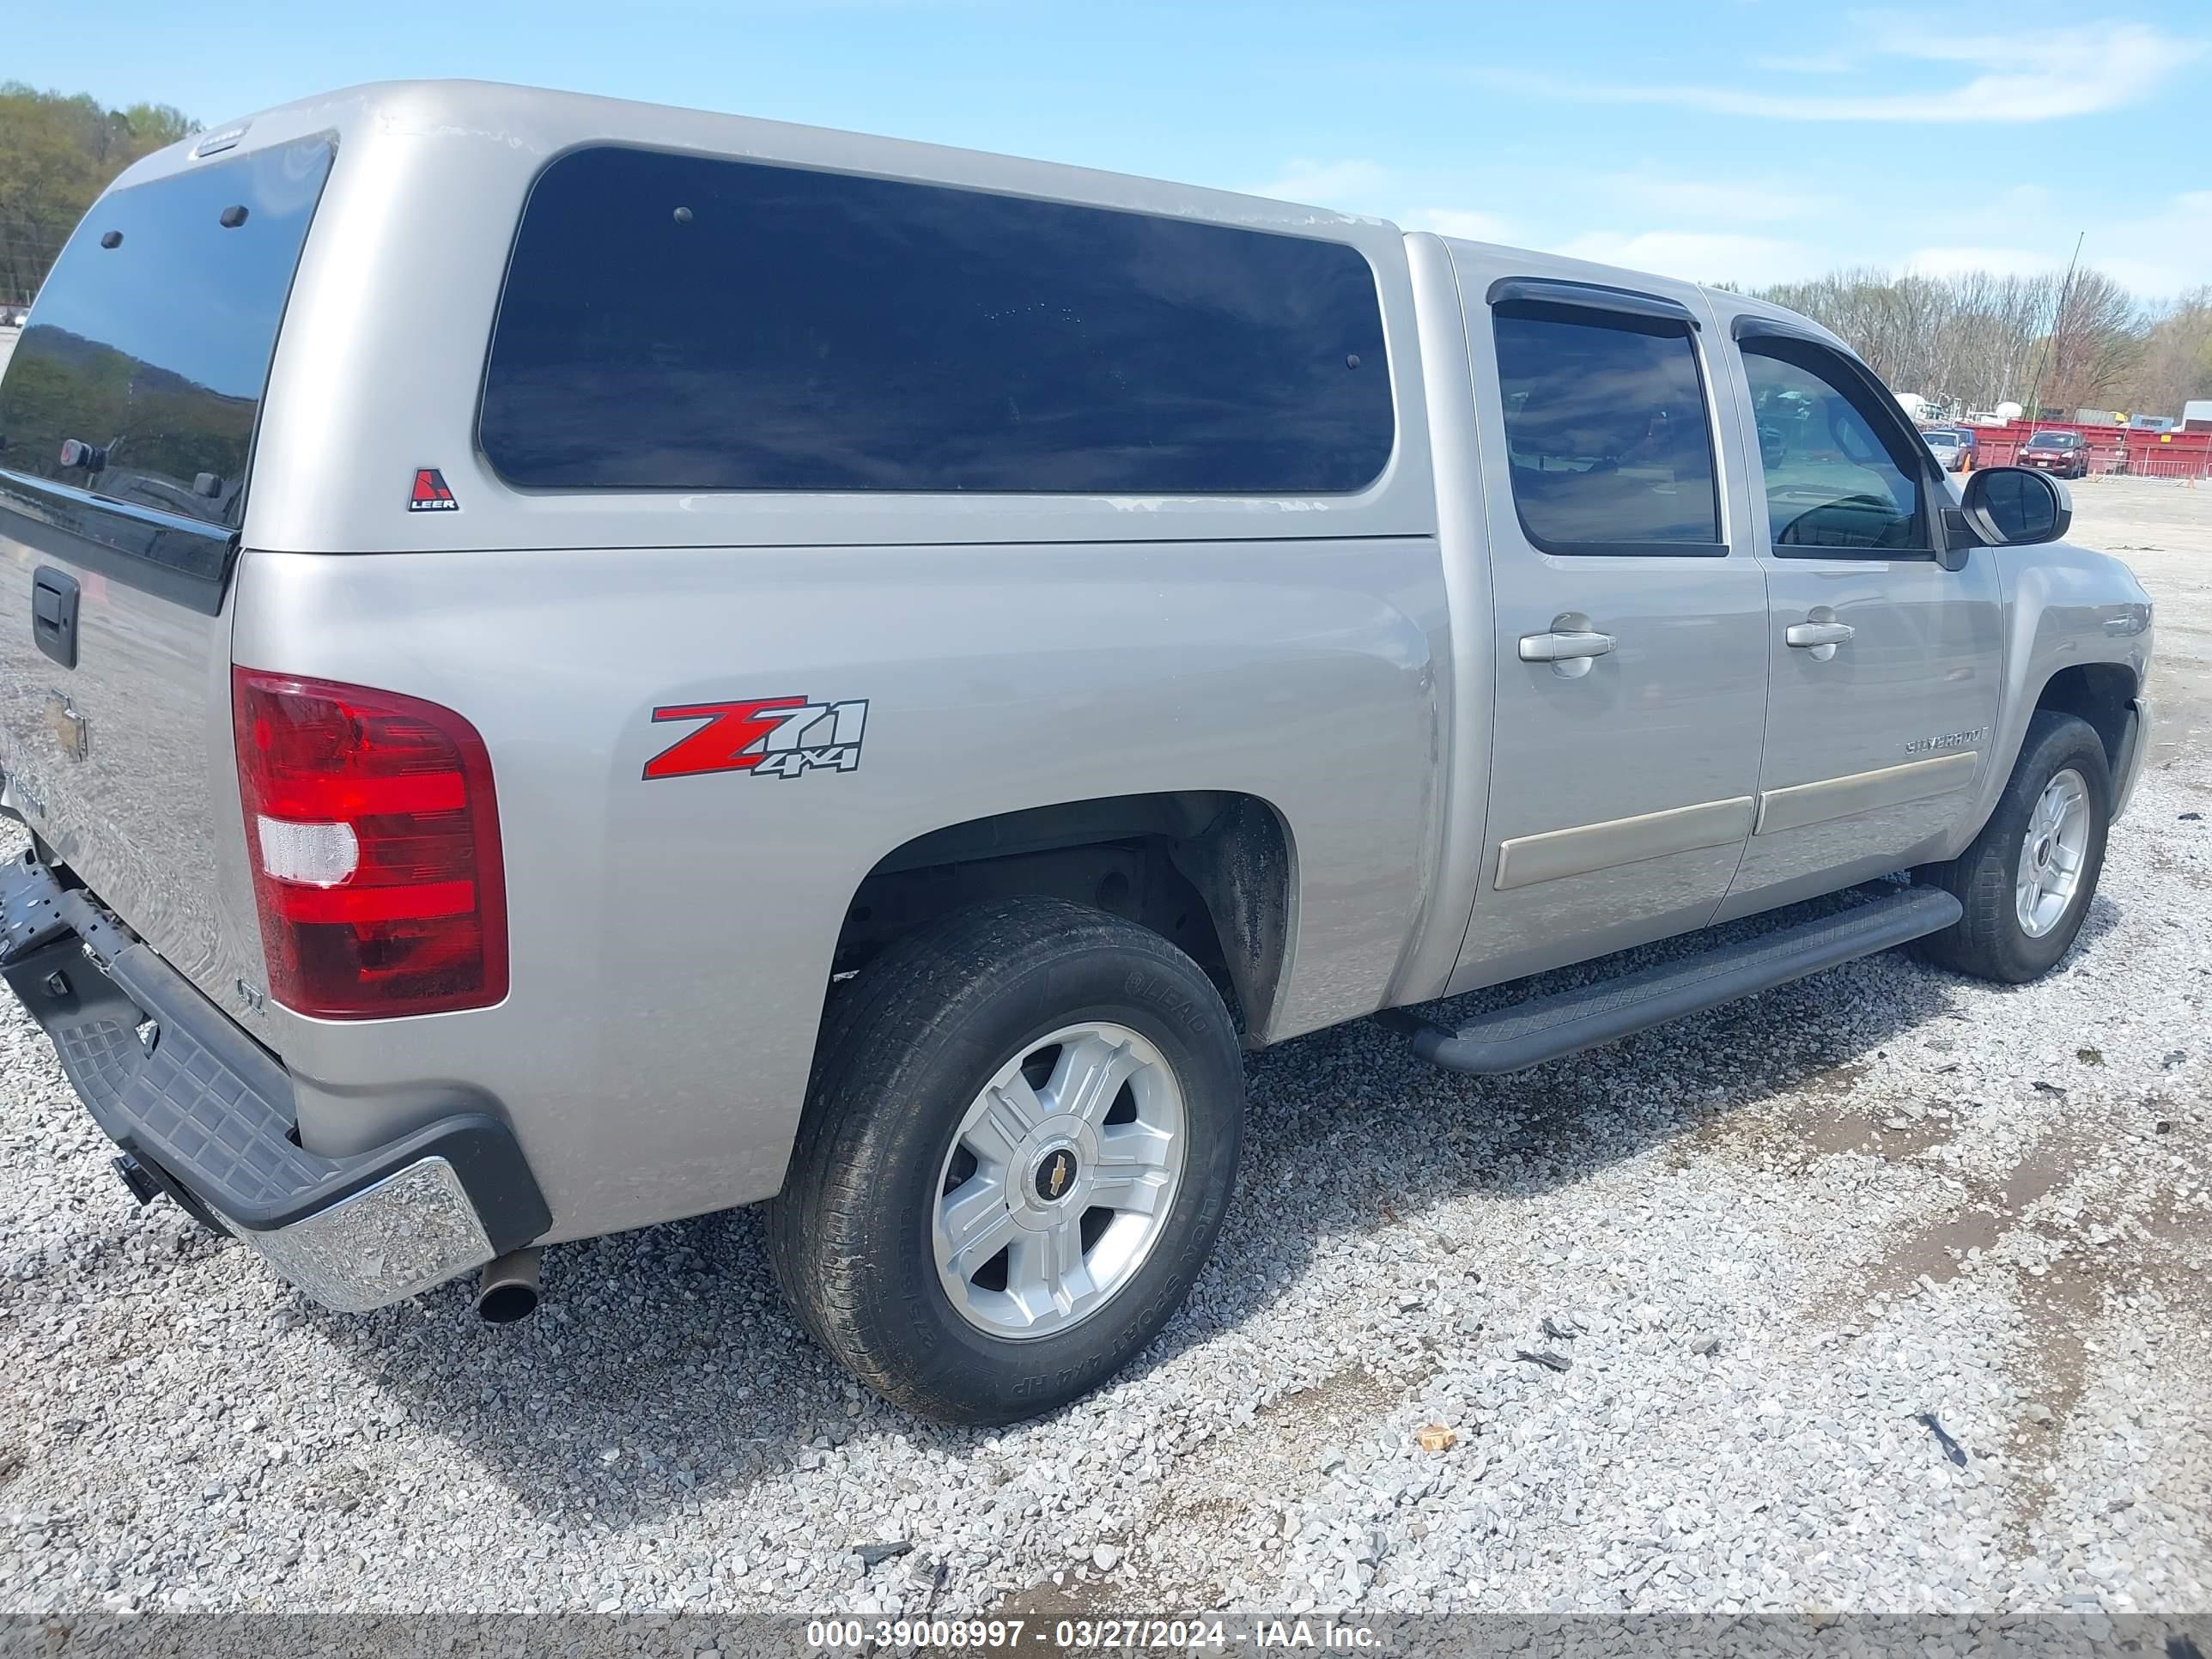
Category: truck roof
[541,123]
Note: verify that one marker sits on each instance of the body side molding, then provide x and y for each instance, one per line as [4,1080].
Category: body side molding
[1527,860]
[1803,804]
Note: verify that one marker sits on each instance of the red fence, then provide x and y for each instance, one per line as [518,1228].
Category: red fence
[2112,449]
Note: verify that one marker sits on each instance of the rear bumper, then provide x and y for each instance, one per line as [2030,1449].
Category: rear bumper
[209,1114]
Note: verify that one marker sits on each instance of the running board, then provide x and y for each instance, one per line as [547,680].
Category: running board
[1525,1034]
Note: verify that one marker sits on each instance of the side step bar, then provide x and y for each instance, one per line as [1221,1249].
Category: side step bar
[1525,1034]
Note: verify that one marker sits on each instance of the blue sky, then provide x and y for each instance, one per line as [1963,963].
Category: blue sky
[1739,140]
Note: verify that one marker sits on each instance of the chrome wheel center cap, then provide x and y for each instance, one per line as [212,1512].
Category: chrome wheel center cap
[1051,1174]
[1053,1178]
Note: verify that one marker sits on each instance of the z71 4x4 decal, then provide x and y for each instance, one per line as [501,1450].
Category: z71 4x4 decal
[780,736]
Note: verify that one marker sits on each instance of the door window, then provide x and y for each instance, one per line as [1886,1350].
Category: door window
[1606,431]
[1838,479]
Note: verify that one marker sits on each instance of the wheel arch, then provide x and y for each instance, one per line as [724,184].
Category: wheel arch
[2077,641]
[1213,871]
[2102,694]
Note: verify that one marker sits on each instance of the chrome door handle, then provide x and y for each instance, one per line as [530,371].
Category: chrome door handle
[1563,646]
[1805,635]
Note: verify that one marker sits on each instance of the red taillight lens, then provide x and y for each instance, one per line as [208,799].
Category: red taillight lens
[374,836]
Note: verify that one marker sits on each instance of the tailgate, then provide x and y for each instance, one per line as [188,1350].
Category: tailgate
[127,420]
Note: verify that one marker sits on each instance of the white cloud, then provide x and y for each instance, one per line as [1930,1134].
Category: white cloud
[1989,214]
[2155,254]
[1696,256]
[2161,253]
[1756,230]
[2023,77]
[1692,255]
[1350,183]
[2003,261]
[1824,63]
[1746,202]
[1472,224]
[2153,280]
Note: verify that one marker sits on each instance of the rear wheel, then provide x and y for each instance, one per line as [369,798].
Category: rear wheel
[1020,1143]
[2026,880]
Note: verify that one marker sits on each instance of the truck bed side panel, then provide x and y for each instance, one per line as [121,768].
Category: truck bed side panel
[672,937]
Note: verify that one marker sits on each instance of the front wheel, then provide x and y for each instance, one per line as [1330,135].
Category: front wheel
[1020,1142]
[2026,880]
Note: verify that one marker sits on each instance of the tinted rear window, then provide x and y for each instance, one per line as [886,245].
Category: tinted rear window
[151,342]
[678,322]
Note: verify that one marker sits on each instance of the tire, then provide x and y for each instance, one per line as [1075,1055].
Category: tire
[1992,941]
[927,1027]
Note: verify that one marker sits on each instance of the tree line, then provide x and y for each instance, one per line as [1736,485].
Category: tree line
[2050,342]
[57,155]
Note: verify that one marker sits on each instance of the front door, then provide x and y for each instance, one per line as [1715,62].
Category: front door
[1884,689]
[1631,679]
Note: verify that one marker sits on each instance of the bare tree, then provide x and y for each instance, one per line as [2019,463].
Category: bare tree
[2096,339]
[2177,364]
[1976,339]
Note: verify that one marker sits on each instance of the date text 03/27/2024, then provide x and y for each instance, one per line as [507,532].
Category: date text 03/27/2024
[1207,1634]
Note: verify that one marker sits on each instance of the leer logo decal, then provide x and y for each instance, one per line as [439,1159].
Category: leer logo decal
[779,736]
[430,494]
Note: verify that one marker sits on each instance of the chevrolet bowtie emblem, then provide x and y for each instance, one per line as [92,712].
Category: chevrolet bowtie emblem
[1055,1175]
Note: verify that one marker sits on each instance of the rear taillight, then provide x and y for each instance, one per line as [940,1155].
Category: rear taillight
[374,836]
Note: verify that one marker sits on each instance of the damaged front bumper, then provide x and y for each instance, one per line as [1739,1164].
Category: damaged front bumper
[206,1114]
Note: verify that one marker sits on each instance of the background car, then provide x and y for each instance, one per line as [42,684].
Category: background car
[1951,446]
[2066,453]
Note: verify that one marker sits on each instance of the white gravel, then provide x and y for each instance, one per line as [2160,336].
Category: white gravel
[1752,1268]
[1770,1242]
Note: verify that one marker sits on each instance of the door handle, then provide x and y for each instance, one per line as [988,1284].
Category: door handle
[1807,635]
[1563,646]
[54,614]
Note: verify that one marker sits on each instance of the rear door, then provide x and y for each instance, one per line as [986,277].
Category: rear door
[127,421]
[1886,663]
[1631,650]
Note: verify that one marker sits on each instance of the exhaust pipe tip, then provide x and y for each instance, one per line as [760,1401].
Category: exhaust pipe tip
[508,1291]
[143,1186]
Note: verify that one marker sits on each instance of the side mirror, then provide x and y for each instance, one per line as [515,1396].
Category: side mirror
[2016,505]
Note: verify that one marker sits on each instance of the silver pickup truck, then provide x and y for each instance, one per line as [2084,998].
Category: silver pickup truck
[569,664]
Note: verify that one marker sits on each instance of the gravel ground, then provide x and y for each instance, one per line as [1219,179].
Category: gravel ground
[1885,1291]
